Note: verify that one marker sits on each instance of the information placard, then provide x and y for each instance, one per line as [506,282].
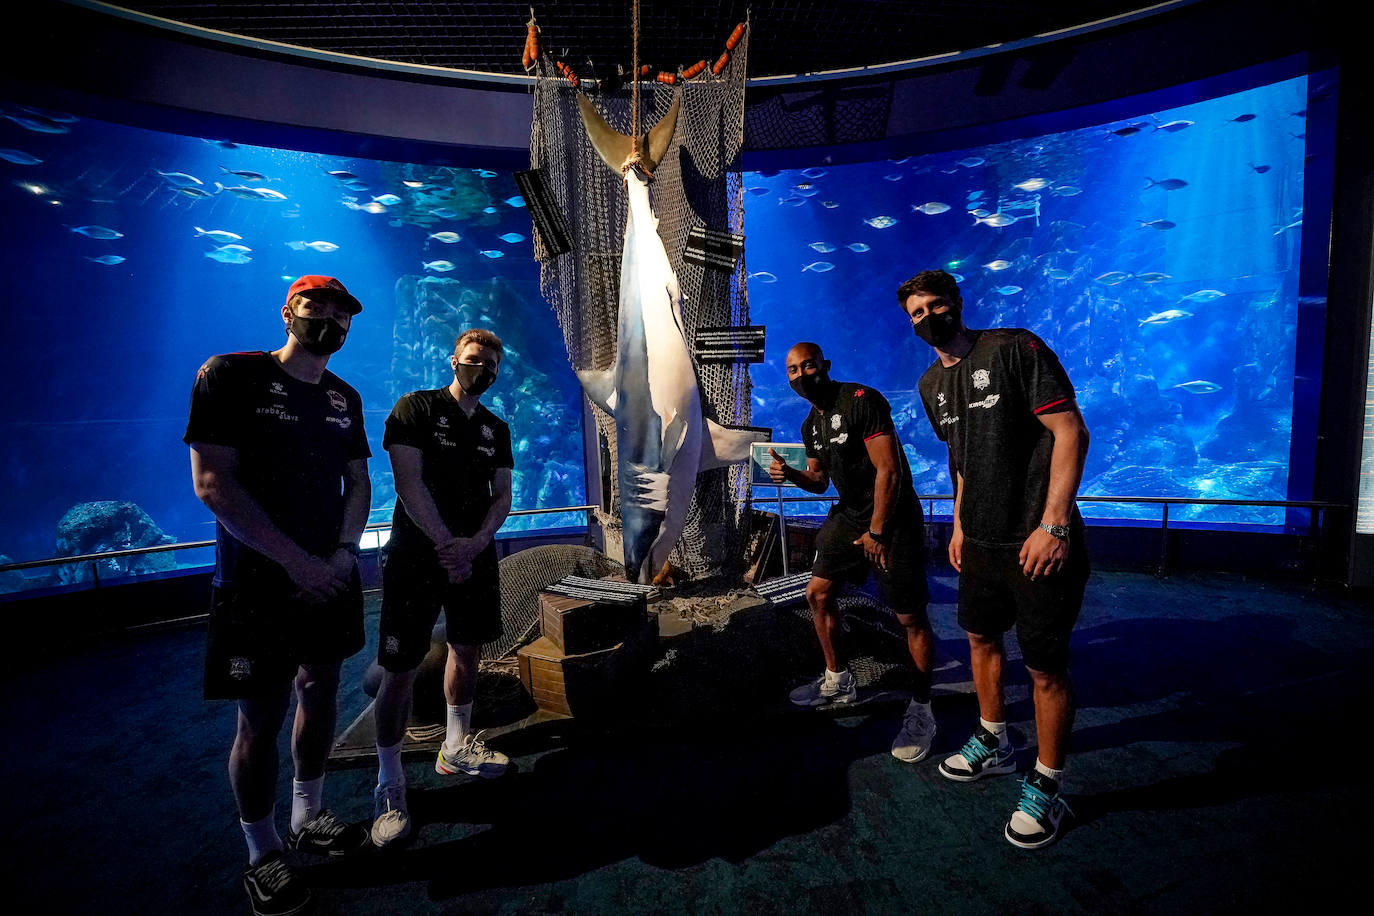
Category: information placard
[794,453]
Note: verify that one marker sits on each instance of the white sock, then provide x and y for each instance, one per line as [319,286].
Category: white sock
[1043,770]
[305,801]
[459,728]
[262,837]
[389,768]
[834,677]
[997,728]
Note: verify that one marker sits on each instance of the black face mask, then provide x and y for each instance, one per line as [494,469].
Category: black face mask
[473,379]
[811,387]
[937,330]
[321,336]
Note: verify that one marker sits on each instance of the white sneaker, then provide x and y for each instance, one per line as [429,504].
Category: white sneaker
[917,735]
[390,819]
[473,757]
[827,691]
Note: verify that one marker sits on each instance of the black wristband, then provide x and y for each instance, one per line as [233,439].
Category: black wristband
[877,536]
[347,545]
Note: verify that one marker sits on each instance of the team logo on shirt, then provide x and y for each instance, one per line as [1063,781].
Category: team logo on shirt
[841,439]
[835,422]
[240,668]
[278,389]
[981,379]
[486,450]
[988,401]
[443,421]
[486,432]
[858,392]
[393,645]
[337,401]
[940,398]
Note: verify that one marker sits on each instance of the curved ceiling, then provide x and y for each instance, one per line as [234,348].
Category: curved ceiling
[788,36]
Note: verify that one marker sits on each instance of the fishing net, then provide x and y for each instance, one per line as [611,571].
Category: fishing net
[697,184]
[525,574]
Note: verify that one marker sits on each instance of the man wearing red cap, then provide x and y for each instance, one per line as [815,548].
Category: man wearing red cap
[279,456]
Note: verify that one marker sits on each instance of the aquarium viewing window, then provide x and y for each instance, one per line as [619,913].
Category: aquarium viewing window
[1158,255]
[132,255]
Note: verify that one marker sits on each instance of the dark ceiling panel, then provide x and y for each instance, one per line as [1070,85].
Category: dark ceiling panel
[789,36]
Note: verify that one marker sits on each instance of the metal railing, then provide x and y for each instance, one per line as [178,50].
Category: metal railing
[1319,508]
[94,558]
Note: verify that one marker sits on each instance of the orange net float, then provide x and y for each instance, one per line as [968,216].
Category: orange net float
[734,38]
[645,71]
[531,46]
[667,79]
[694,70]
[719,65]
[567,71]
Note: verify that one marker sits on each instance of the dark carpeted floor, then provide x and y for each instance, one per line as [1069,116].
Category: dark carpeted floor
[1216,768]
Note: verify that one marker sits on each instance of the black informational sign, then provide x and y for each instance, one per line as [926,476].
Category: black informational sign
[730,345]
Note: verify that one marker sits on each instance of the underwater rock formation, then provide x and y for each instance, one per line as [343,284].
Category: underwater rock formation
[97,527]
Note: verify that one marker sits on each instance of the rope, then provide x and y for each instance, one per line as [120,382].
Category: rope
[634,95]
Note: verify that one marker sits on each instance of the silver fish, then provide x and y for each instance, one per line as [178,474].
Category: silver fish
[931,208]
[1167,316]
[97,232]
[440,266]
[1199,386]
[223,236]
[819,267]
[448,238]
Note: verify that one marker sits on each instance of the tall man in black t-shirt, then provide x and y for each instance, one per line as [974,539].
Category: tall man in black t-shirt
[279,455]
[875,528]
[1004,406]
[452,462]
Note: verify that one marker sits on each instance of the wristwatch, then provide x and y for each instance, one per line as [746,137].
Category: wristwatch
[1059,532]
[877,536]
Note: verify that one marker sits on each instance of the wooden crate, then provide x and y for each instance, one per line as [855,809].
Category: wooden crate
[577,626]
[590,684]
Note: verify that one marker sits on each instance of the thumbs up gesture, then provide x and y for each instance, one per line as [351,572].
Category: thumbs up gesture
[778,469]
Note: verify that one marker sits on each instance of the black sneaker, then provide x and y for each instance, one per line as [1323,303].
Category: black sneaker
[1036,820]
[273,889]
[326,835]
[980,756]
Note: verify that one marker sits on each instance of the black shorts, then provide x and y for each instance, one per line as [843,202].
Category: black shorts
[903,583]
[415,587]
[259,636]
[995,593]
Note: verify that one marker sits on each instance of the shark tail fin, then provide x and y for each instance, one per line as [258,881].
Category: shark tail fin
[616,149]
[725,445]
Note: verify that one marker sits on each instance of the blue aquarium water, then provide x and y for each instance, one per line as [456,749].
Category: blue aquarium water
[1157,255]
[131,255]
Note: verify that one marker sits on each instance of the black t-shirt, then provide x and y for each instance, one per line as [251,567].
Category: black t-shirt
[985,409]
[294,441]
[460,457]
[838,438]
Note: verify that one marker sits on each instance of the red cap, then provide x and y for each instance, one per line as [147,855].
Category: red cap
[324,289]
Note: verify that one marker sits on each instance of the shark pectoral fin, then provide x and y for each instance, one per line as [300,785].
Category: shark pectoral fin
[613,146]
[660,135]
[724,445]
[673,434]
[600,387]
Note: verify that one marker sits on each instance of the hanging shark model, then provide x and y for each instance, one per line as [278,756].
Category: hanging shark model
[662,439]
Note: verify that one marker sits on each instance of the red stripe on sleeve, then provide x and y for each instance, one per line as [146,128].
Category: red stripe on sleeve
[1040,410]
[883,432]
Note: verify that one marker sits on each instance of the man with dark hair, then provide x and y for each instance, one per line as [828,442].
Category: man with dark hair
[875,528]
[279,455]
[452,462]
[1005,408]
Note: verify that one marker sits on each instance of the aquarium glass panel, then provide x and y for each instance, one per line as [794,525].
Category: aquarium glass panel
[1157,255]
[132,255]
